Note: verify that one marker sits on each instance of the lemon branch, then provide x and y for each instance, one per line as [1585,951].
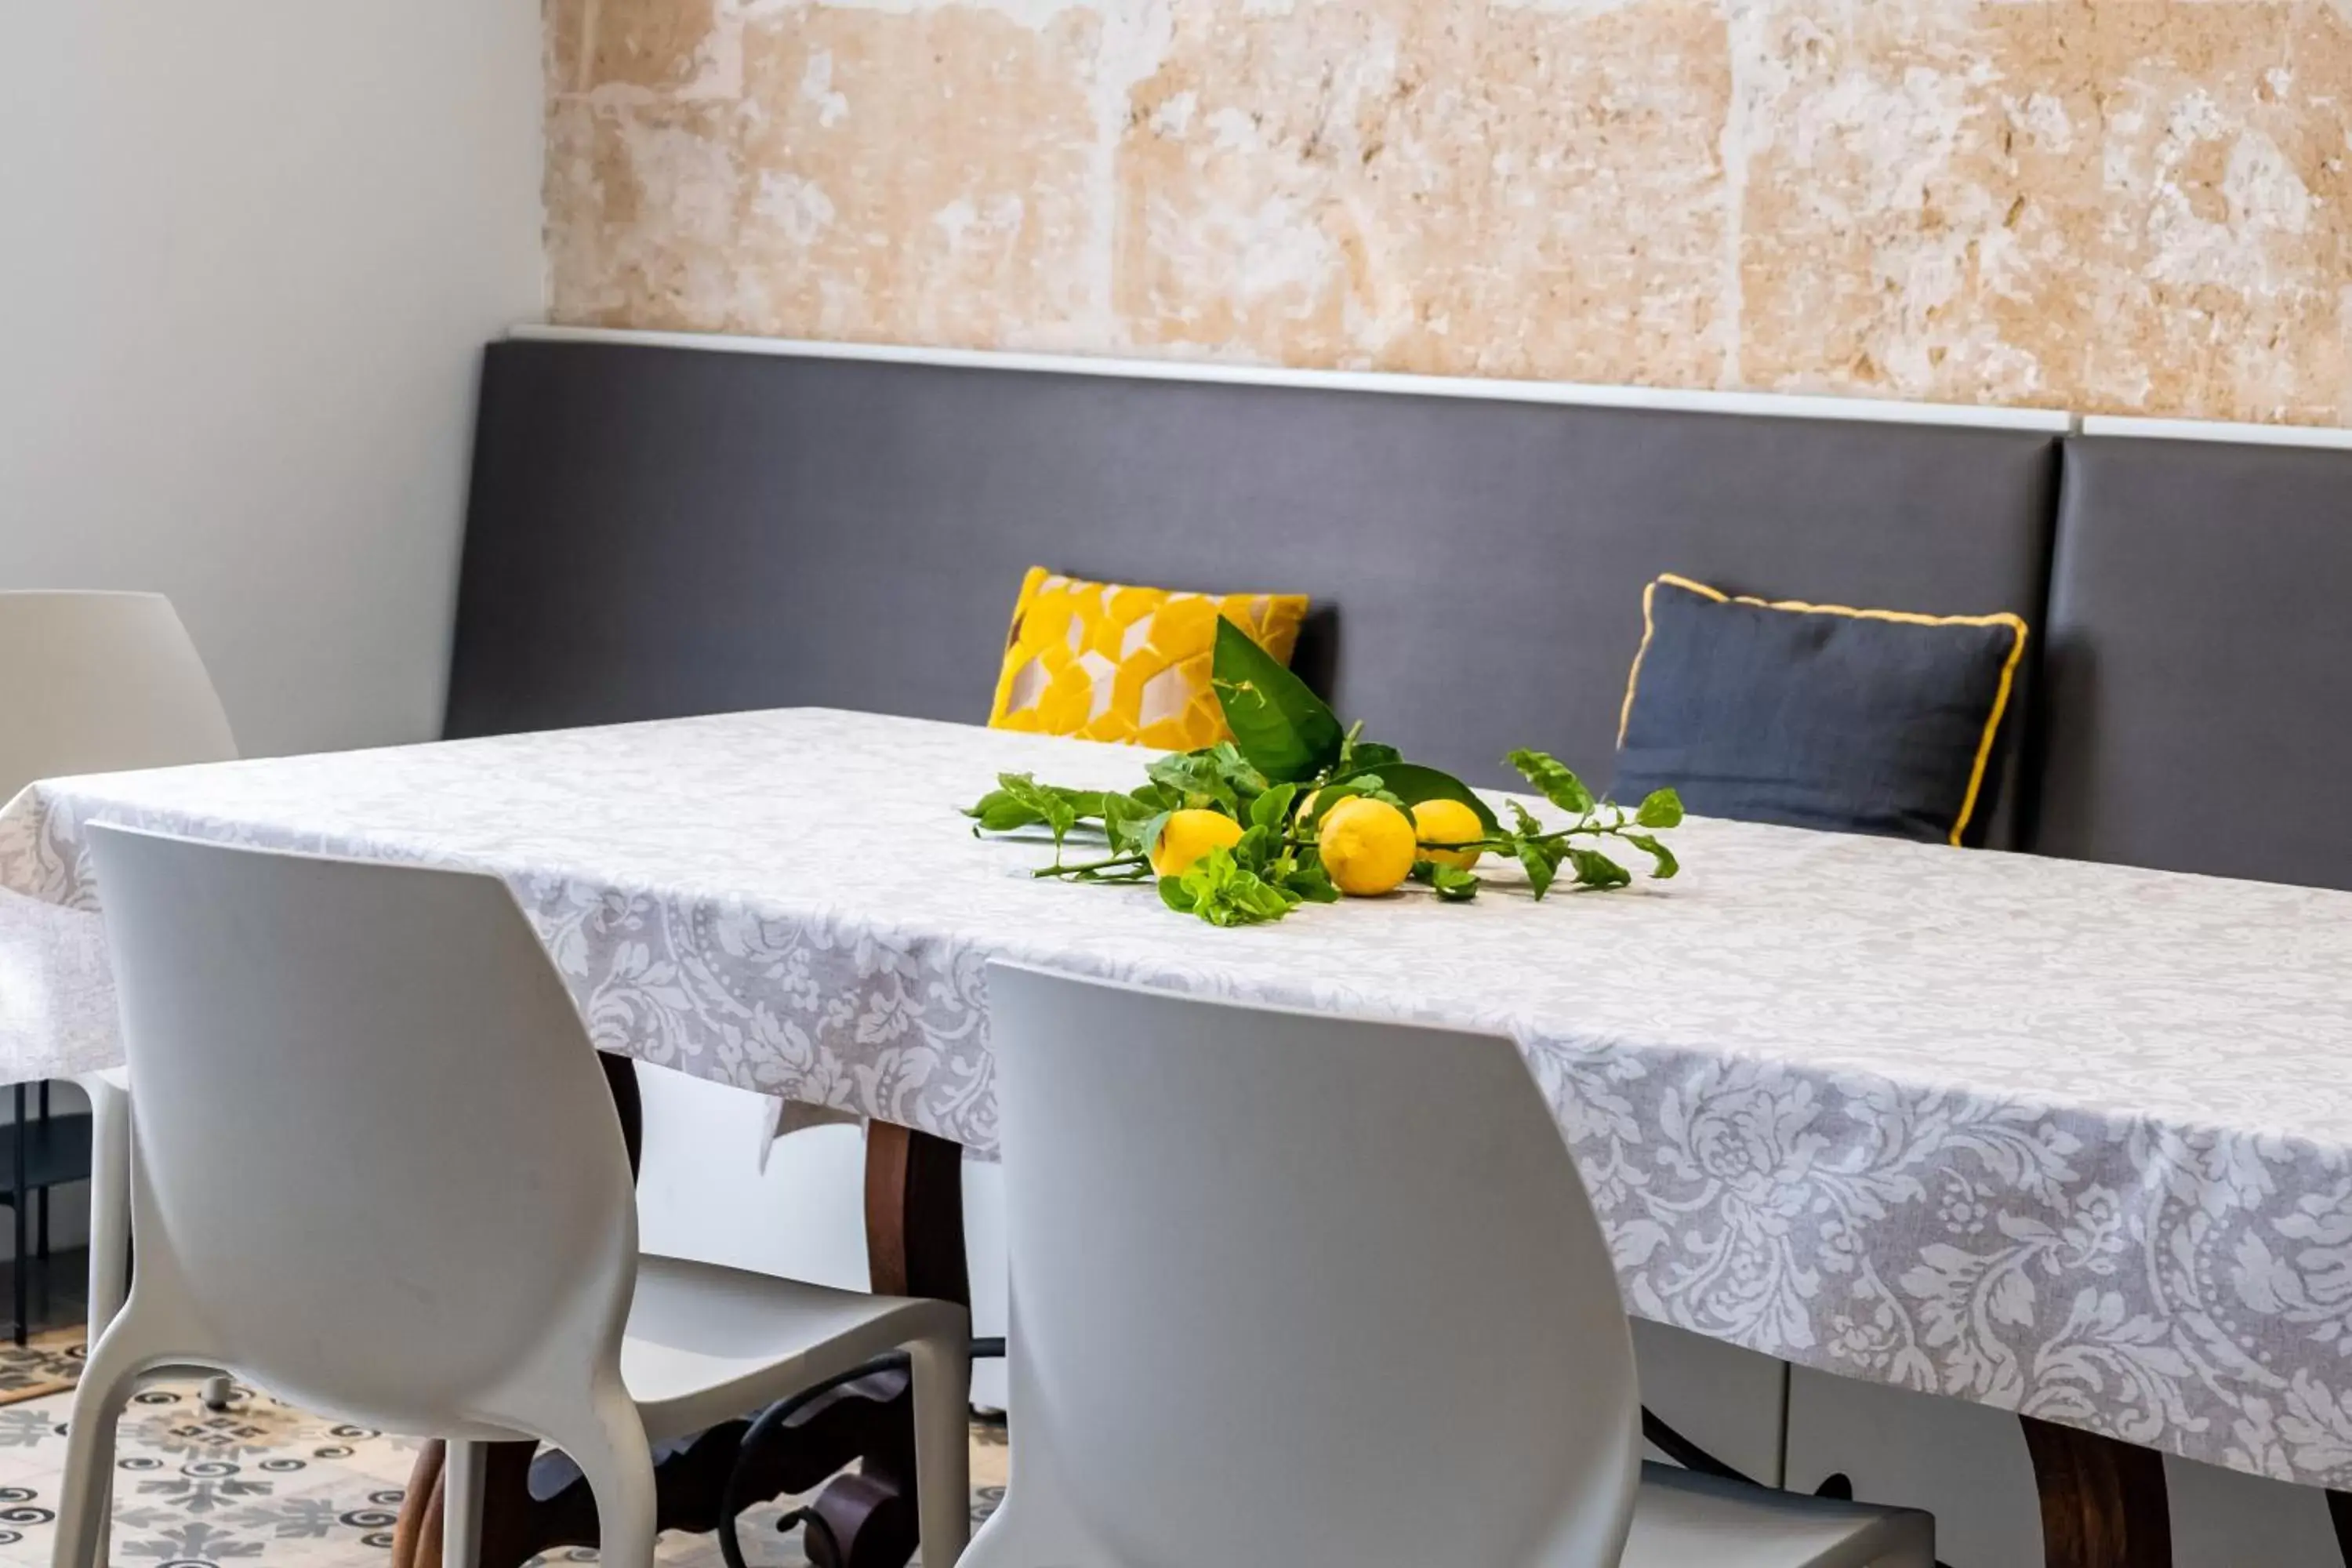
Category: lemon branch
[1092,867]
[1297,809]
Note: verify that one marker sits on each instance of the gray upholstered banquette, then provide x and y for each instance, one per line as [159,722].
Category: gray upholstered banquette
[2200,661]
[659,531]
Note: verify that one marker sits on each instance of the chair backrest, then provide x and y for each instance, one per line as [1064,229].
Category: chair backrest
[1290,1288]
[376,1161]
[104,682]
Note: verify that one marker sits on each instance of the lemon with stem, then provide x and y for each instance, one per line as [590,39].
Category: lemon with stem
[1447,822]
[1190,834]
[1368,847]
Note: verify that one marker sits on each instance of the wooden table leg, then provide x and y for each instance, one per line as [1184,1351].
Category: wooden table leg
[420,1510]
[2103,1501]
[914,1247]
[914,1214]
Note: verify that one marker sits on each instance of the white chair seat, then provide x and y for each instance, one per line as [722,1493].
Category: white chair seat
[1682,1520]
[707,1344]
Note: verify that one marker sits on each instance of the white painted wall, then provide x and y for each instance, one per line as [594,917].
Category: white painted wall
[249,250]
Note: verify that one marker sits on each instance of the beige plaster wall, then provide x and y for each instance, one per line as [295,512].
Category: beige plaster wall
[2112,205]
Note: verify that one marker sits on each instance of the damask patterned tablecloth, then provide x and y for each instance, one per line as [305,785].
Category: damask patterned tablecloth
[2069,1139]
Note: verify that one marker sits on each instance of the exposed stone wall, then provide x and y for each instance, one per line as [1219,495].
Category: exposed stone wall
[2113,205]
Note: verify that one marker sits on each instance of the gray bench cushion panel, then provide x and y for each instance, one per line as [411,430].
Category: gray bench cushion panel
[2199,710]
[657,532]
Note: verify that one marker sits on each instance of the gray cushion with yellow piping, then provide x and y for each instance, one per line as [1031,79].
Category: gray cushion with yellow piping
[1816,715]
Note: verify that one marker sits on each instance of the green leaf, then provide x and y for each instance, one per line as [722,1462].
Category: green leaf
[999,812]
[1051,807]
[1256,846]
[1123,817]
[1367,786]
[1453,884]
[1553,780]
[1310,882]
[1660,808]
[1236,769]
[1272,809]
[1157,796]
[1594,869]
[1542,860]
[1222,890]
[1410,783]
[1330,795]
[1197,779]
[1287,731]
[1147,836]
[1663,864]
[1173,893]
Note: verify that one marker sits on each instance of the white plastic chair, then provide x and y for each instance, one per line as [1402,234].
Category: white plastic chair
[111,682]
[1302,1290]
[430,1227]
[108,681]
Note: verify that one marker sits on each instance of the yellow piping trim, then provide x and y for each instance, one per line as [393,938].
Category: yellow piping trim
[1798,606]
[1992,725]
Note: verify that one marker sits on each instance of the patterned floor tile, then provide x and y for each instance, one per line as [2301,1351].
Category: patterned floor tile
[50,1365]
[263,1485]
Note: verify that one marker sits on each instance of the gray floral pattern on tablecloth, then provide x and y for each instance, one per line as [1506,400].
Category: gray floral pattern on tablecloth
[2068,1138]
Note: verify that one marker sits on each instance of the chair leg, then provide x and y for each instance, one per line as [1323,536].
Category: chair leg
[110,1230]
[42,1245]
[110,1201]
[108,1380]
[942,1376]
[608,1443]
[19,1264]
[462,1476]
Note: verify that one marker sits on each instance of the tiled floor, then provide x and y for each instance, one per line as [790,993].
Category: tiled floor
[262,1485]
[55,1287]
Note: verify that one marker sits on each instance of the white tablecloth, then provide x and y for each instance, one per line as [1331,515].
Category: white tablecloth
[2062,1138]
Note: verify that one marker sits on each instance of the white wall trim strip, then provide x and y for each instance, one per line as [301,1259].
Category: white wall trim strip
[2318,436]
[1767,403]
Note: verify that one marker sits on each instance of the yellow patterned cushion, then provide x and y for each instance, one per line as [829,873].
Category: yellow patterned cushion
[1109,661]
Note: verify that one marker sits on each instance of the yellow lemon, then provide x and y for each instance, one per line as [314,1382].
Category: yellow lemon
[1448,822]
[1368,847]
[1191,835]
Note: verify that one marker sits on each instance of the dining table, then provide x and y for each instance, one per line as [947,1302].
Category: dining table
[2069,1140]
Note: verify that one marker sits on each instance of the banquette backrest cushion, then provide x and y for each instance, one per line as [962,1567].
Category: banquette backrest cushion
[2199,660]
[656,532]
